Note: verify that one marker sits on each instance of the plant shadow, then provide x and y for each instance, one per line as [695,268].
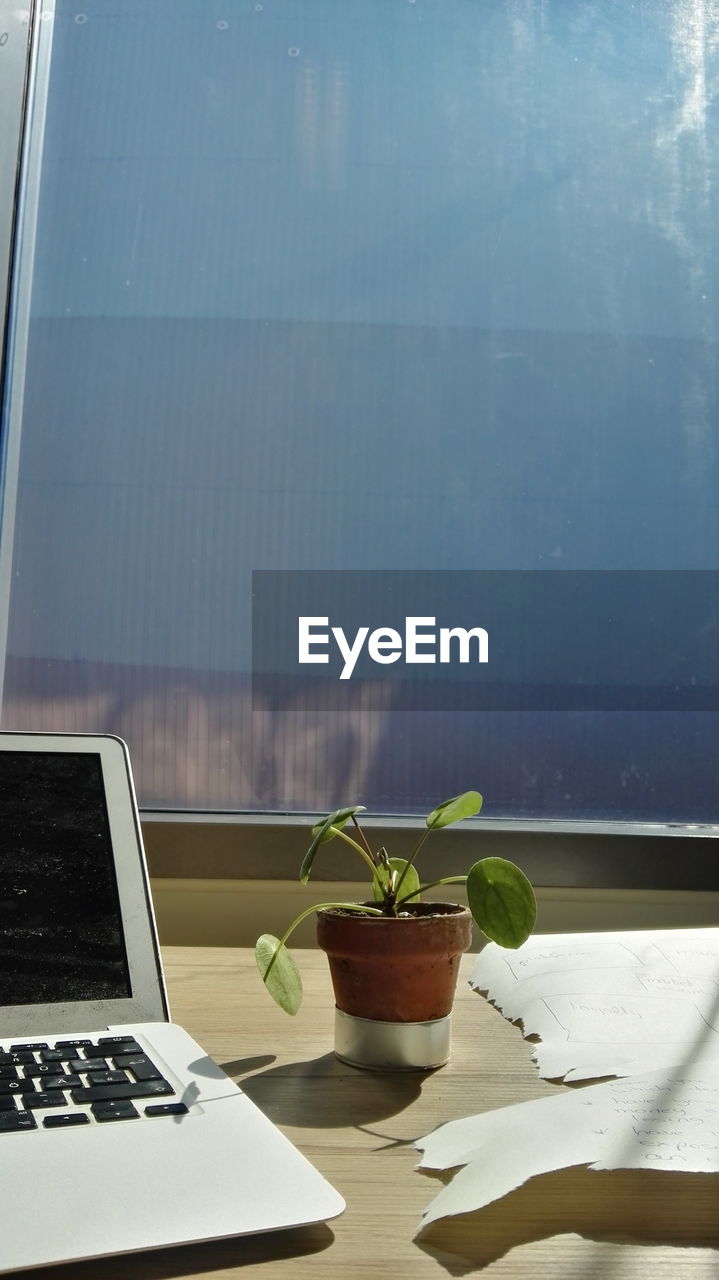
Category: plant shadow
[241,1066]
[325,1093]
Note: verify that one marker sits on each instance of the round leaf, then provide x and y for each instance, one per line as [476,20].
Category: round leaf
[279,972]
[502,901]
[410,884]
[464,806]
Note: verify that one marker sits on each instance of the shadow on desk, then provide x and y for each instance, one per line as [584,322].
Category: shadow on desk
[622,1206]
[356,1098]
[193,1259]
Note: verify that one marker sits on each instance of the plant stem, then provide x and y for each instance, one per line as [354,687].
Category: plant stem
[362,836]
[410,860]
[367,857]
[317,906]
[432,885]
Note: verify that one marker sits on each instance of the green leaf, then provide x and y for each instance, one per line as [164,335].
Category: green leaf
[410,884]
[325,830]
[464,806]
[502,901]
[279,972]
[336,819]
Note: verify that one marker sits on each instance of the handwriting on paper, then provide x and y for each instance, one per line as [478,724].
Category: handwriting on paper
[654,996]
[660,1120]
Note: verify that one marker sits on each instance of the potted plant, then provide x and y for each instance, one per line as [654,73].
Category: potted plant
[394,959]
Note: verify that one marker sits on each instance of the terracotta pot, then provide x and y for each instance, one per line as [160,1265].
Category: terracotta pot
[401,969]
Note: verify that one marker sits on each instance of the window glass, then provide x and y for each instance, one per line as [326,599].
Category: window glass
[347,284]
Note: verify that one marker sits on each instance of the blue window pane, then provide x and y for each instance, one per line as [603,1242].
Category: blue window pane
[362,284]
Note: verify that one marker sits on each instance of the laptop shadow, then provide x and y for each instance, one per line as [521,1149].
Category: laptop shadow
[193,1259]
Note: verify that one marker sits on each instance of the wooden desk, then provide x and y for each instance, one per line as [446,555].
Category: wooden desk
[358,1129]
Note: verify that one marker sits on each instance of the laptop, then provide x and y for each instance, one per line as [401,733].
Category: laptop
[94,1078]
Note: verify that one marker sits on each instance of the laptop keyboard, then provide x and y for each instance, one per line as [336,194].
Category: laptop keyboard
[79,1082]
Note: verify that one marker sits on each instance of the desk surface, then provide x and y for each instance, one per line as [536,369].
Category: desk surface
[358,1128]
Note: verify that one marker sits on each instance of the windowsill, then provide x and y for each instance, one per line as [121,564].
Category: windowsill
[595,856]
[232,913]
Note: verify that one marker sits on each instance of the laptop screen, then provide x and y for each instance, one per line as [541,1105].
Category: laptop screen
[61,935]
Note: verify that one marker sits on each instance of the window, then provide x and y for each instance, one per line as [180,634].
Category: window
[371,284]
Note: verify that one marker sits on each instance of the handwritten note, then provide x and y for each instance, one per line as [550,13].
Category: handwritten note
[610,1003]
[660,1120]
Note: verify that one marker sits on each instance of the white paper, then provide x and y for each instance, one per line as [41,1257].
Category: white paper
[609,1003]
[660,1120]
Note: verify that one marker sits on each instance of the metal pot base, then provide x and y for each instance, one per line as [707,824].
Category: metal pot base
[392,1046]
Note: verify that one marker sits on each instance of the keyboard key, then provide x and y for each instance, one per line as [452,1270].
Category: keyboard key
[119,1040]
[87,1064]
[12,1121]
[107,1077]
[103,1111]
[16,1086]
[38,1069]
[9,1073]
[103,1050]
[61,1082]
[139,1065]
[118,1092]
[7,1059]
[38,1044]
[166,1109]
[7,1102]
[35,1101]
[65,1120]
[71,1044]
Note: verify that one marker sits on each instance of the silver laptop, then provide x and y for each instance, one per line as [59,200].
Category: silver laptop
[93,1075]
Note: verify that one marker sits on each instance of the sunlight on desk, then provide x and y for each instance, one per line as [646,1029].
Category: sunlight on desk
[359,1128]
